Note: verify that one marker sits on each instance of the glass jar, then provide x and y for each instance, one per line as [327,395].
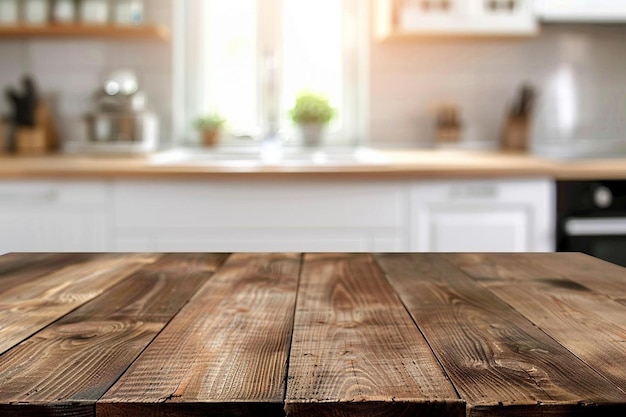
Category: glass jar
[36,12]
[64,11]
[94,11]
[129,12]
[8,12]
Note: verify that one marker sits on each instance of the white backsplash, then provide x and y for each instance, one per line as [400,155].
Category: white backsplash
[579,72]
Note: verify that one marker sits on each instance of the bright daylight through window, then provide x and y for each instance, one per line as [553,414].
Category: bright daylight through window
[249,59]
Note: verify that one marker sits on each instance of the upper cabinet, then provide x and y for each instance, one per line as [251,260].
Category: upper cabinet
[406,18]
[586,11]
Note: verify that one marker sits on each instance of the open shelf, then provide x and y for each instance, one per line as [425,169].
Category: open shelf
[156,32]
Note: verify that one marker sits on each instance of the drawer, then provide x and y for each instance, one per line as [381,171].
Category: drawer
[260,204]
[53,193]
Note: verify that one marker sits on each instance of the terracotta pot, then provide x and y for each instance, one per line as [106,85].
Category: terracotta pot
[210,137]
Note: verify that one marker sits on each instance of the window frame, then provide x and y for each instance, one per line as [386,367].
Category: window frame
[190,65]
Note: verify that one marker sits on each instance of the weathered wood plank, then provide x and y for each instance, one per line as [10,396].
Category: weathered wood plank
[76,359]
[224,354]
[29,307]
[595,274]
[601,276]
[498,361]
[184,262]
[356,350]
[566,310]
[19,268]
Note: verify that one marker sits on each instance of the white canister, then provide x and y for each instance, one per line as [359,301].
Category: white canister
[95,11]
[129,12]
[8,12]
[36,12]
[64,11]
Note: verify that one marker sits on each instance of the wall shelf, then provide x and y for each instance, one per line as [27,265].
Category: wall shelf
[460,19]
[78,31]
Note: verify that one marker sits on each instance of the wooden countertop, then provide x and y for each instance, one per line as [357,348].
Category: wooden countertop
[402,164]
[119,335]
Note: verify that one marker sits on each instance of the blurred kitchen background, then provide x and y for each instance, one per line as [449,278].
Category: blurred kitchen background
[508,84]
[578,69]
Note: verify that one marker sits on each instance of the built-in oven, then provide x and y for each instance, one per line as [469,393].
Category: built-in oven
[591,218]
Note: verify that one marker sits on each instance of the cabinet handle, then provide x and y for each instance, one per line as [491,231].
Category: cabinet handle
[486,191]
[43,197]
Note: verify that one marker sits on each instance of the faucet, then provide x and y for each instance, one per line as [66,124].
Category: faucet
[271,143]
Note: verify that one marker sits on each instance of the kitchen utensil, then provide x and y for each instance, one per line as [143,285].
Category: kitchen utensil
[517,127]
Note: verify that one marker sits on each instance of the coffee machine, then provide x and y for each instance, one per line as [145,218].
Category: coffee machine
[119,121]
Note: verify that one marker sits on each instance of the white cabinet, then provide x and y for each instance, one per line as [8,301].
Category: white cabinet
[588,11]
[272,216]
[289,216]
[455,17]
[53,216]
[483,216]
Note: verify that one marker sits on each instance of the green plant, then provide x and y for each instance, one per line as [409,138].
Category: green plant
[311,108]
[210,122]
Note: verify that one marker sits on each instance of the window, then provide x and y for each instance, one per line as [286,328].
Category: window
[248,59]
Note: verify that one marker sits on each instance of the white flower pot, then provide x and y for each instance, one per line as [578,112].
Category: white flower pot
[311,133]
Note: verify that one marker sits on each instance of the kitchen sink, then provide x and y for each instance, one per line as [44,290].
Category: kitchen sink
[269,156]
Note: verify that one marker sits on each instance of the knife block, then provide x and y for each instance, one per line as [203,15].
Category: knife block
[39,139]
[516,134]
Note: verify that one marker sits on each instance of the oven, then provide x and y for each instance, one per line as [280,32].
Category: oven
[591,218]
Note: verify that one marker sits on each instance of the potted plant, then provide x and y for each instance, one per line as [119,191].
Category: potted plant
[210,128]
[311,113]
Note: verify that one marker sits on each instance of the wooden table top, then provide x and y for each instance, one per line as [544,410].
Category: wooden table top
[120,335]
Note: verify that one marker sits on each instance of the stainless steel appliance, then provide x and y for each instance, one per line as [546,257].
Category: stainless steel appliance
[120,122]
[591,218]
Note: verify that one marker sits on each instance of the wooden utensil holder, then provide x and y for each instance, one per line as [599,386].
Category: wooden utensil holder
[516,134]
[41,138]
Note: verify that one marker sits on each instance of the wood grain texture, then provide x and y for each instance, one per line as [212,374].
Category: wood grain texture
[32,305]
[76,359]
[225,353]
[355,349]
[498,361]
[598,275]
[19,268]
[188,262]
[566,310]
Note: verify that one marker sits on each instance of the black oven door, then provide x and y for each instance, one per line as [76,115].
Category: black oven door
[603,238]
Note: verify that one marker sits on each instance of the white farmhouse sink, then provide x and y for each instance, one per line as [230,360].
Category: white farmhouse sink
[269,156]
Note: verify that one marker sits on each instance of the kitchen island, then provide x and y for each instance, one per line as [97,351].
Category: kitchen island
[311,335]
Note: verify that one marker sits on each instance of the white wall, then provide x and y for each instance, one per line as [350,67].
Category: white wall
[70,71]
[410,78]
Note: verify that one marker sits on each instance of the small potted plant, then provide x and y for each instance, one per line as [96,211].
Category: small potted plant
[311,113]
[210,128]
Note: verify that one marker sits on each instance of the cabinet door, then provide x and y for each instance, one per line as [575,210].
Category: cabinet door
[487,216]
[261,216]
[590,11]
[455,17]
[53,217]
